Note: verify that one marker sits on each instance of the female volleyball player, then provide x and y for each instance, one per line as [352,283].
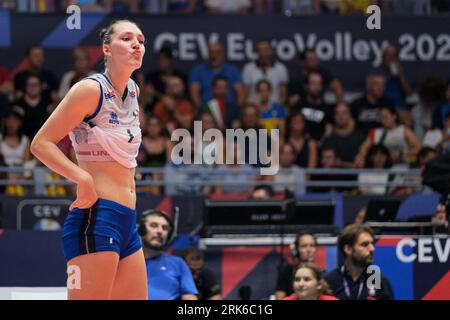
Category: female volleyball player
[100,113]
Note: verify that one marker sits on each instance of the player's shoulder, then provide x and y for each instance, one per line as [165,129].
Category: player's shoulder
[87,85]
[85,90]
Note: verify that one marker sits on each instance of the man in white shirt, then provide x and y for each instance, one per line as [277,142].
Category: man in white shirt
[265,67]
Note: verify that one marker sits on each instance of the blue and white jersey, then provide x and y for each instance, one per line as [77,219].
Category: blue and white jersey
[112,133]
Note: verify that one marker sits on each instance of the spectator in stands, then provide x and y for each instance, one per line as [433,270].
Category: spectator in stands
[329,159]
[441,219]
[301,7]
[14,145]
[378,157]
[6,84]
[202,76]
[89,5]
[210,151]
[80,70]
[34,106]
[205,280]
[173,109]
[169,277]
[355,7]
[308,62]
[317,112]
[350,280]
[303,250]
[6,90]
[225,112]
[397,87]
[425,154]
[156,80]
[439,138]
[191,181]
[262,192]
[309,284]
[154,152]
[228,7]
[182,6]
[344,138]
[156,146]
[237,177]
[15,149]
[250,122]
[402,143]
[272,114]
[49,82]
[406,7]
[266,67]
[119,6]
[405,118]
[431,95]
[305,148]
[267,7]
[365,109]
[444,143]
[125,6]
[443,108]
[287,178]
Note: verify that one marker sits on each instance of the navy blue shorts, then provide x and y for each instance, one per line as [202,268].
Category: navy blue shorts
[106,226]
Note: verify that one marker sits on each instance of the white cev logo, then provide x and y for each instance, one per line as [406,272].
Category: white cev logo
[259,153]
[424,250]
[74,20]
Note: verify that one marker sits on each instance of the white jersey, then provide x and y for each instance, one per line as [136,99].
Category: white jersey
[112,133]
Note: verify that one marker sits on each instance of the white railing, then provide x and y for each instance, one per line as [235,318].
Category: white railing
[189,178]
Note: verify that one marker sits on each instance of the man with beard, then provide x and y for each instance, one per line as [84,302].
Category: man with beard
[352,281]
[365,109]
[317,112]
[205,280]
[168,277]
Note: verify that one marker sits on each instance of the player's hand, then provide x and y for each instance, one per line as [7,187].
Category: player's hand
[86,193]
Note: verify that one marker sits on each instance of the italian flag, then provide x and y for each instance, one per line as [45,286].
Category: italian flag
[217,108]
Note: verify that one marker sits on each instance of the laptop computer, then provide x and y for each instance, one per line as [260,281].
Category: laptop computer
[382,210]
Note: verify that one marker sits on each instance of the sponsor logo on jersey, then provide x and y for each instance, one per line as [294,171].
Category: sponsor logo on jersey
[109,95]
[114,119]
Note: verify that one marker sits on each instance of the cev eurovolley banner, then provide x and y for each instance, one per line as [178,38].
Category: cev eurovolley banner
[344,44]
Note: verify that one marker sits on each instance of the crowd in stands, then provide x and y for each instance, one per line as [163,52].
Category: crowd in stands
[214,7]
[379,129]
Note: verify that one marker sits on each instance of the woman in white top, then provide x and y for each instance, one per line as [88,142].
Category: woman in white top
[14,145]
[101,113]
[378,157]
[401,141]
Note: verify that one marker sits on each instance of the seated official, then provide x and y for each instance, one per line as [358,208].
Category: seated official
[351,280]
[168,277]
[205,280]
[303,250]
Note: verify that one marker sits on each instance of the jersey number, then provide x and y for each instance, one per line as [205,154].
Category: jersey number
[130,135]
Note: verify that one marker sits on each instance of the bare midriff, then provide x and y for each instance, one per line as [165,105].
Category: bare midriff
[112,181]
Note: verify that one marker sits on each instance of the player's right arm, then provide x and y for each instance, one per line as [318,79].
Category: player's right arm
[81,101]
